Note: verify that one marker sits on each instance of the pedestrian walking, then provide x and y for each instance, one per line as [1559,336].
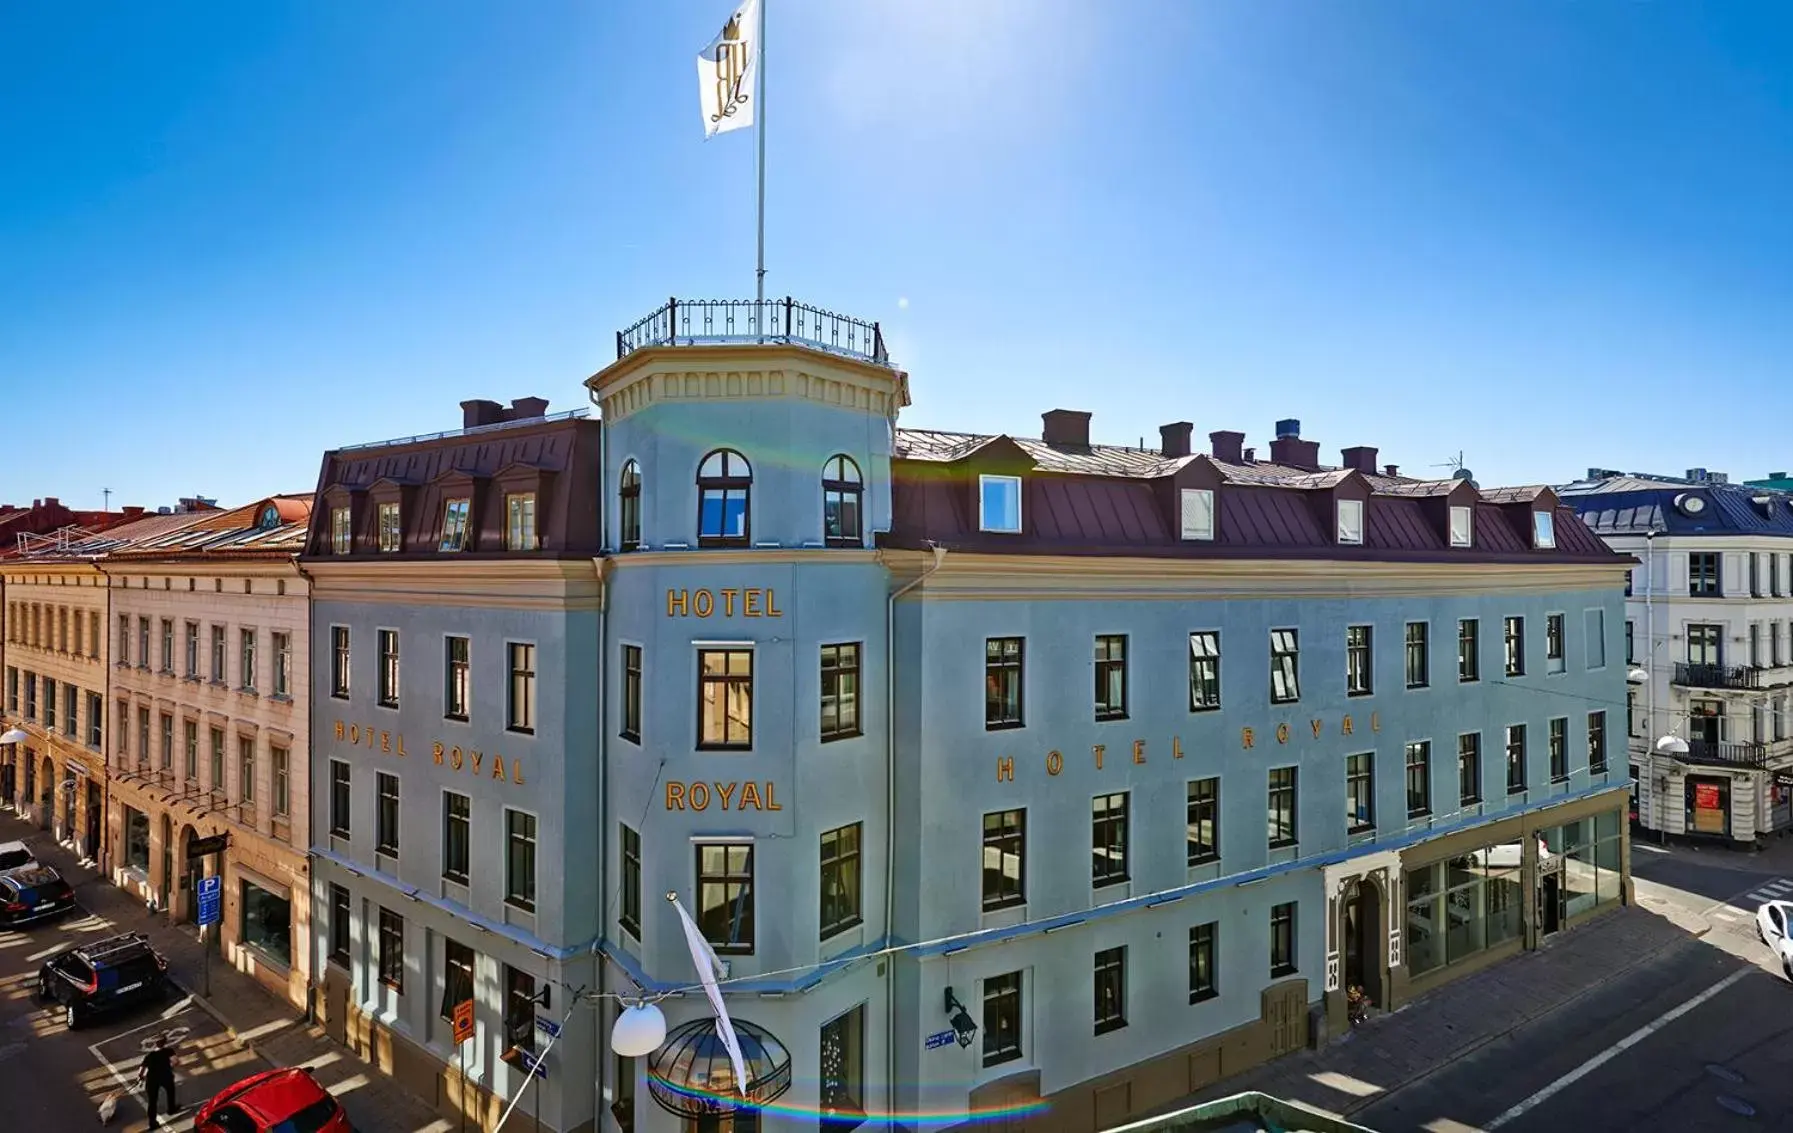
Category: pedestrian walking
[156,1075]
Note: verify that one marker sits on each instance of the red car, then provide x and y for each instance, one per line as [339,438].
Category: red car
[275,1101]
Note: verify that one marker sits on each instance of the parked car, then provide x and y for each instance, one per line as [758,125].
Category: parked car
[288,1100]
[1774,924]
[15,854]
[32,893]
[102,977]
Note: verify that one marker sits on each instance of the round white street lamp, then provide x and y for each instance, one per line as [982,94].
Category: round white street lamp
[1671,745]
[15,736]
[638,1031]
[1636,675]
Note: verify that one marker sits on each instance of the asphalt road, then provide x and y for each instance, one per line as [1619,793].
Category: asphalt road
[1699,1037]
[53,1079]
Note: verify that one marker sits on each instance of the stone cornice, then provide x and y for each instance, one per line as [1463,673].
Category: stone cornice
[775,371]
[512,584]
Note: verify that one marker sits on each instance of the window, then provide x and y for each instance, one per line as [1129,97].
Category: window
[1553,644]
[519,859]
[1360,793]
[1419,659]
[1705,645]
[246,770]
[999,504]
[454,524]
[1515,758]
[841,489]
[12,689]
[1005,846]
[1282,940]
[1359,675]
[1202,981]
[339,799]
[167,643]
[630,916]
[1515,644]
[725,699]
[1350,517]
[143,737]
[1469,648]
[142,643]
[1002,1018]
[31,707]
[1462,527]
[1204,821]
[246,659]
[843,1070]
[457,976]
[520,706]
[840,691]
[1631,643]
[340,531]
[191,743]
[49,703]
[1558,737]
[1002,682]
[631,723]
[219,675]
[391,533]
[840,880]
[95,728]
[1755,575]
[1774,575]
[457,695]
[1285,667]
[1111,989]
[283,665]
[1419,778]
[725,895]
[520,1000]
[217,768]
[1283,831]
[457,837]
[1108,839]
[281,762]
[386,642]
[192,651]
[1111,676]
[1197,513]
[628,499]
[1597,741]
[340,926]
[392,950]
[519,522]
[1543,530]
[1204,670]
[265,922]
[724,491]
[1703,574]
[386,815]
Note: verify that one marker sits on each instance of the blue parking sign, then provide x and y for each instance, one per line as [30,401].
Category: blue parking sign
[211,900]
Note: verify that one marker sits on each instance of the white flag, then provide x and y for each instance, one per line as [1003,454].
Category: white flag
[728,70]
[708,969]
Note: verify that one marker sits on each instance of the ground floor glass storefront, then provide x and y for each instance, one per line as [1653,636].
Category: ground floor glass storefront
[267,923]
[1463,905]
[136,840]
[1591,853]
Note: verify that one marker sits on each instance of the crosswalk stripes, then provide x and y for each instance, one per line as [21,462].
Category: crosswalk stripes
[1780,889]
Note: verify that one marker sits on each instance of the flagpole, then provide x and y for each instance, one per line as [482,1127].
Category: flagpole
[759,275]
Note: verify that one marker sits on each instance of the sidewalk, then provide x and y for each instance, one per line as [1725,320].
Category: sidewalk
[269,1027]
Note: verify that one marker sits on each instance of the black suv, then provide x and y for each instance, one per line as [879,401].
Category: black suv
[32,893]
[108,975]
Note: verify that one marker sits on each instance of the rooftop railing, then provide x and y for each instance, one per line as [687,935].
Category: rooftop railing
[473,430]
[700,322]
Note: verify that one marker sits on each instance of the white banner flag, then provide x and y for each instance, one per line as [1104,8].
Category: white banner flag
[703,957]
[727,71]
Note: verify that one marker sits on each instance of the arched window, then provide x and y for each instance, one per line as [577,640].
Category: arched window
[628,494]
[724,488]
[841,493]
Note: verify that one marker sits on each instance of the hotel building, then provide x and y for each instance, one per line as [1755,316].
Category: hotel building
[1144,756]
[455,630]
[1709,633]
[209,667]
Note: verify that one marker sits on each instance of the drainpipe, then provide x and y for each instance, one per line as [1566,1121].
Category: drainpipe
[890,1084]
[600,1034]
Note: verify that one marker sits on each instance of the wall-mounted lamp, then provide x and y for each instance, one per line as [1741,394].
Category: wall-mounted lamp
[963,1027]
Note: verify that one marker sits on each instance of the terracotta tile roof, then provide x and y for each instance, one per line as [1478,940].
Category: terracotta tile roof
[237,531]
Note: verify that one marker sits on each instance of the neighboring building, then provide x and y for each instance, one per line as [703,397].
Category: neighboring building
[55,670]
[47,516]
[455,628]
[1173,733]
[1716,599]
[210,632]
[1775,482]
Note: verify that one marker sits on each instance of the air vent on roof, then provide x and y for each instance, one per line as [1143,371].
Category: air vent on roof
[1777,475]
[1764,504]
[1690,505]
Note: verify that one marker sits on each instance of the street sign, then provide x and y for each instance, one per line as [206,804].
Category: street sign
[211,900]
[463,1021]
[532,1064]
[200,847]
[547,1026]
[939,1039]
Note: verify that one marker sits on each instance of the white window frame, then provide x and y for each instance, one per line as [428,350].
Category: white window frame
[1350,522]
[1544,530]
[1196,513]
[984,483]
[535,688]
[398,655]
[1462,535]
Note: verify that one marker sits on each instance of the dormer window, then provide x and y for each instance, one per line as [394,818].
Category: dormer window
[1197,507]
[270,518]
[391,536]
[999,504]
[842,491]
[724,492]
[1462,527]
[1350,521]
[340,531]
[1543,530]
[519,522]
[628,498]
[454,524]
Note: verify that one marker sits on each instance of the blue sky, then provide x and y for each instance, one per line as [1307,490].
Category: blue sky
[1546,233]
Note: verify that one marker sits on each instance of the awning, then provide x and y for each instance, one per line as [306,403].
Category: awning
[690,1075]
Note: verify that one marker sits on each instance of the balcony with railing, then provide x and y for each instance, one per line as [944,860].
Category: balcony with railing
[1714,753]
[707,322]
[1740,678]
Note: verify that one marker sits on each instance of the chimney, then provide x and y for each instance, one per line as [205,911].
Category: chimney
[523,408]
[132,512]
[480,412]
[52,501]
[1391,470]
[1066,428]
[1360,457]
[1777,475]
[1224,444]
[1251,454]
[1288,447]
[1176,438]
